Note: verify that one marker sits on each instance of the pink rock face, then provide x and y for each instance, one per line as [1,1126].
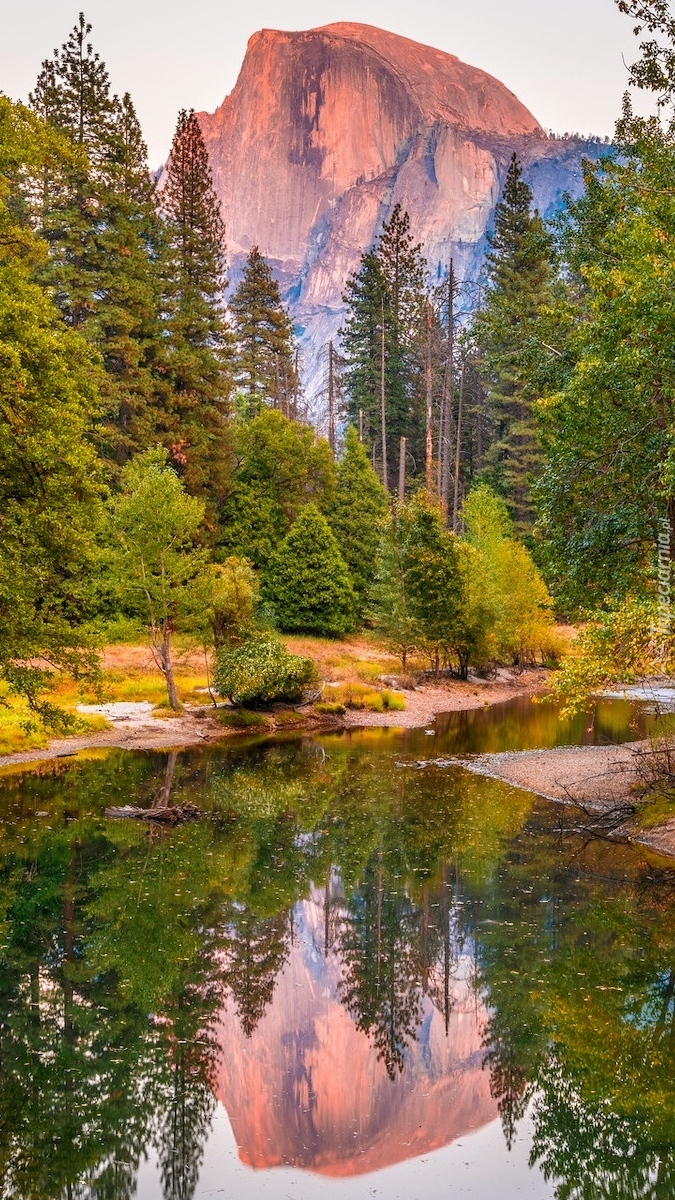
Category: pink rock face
[307,1089]
[327,129]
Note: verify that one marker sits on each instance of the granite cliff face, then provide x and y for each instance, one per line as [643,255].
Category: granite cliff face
[326,130]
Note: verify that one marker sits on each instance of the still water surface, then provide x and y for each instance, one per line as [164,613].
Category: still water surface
[352,978]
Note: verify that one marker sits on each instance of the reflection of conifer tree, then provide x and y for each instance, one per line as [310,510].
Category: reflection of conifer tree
[380,986]
[256,952]
[189,1097]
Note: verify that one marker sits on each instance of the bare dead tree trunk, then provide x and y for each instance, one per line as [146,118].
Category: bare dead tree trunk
[360,424]
[455,505]
[401,471]
[383,405]
[429,440]
[331,399]
[446,411]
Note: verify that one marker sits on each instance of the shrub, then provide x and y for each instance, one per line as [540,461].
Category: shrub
[261,671]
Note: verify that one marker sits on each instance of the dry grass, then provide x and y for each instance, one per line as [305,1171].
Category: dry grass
[352,660]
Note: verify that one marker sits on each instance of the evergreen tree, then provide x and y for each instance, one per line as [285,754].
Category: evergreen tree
[519,274]
[356,515]
[433,579]
[73,94]
[106,241]
[199,339]
[390,599]
[386,300]
[308,582]
[280,466]
[50,488]
[264,367]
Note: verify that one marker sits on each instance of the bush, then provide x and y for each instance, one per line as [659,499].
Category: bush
[261,671]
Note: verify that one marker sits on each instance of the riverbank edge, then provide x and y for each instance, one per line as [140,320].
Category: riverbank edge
[596,781]
[197,727]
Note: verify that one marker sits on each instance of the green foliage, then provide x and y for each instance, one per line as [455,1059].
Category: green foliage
[261,671]
[386,299]
[390,607]
[198,334]
[240,718]
[617,646]
[356,515]
[308,582]
[432,578]
[514,593]
[50,488]
[417,598]
[608,426]
[224,602]
[508,335]
[153,527]
[263,361]
[280,466]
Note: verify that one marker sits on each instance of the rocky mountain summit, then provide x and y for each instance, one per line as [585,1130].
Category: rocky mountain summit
[327,129]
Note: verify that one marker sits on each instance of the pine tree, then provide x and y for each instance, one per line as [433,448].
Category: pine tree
[383,340]
[308,582]
[519,273]
[281,466]
[264,357]
[390,599]
[96,211]
[199,338]
[433,578]
[73,94]
[356,515]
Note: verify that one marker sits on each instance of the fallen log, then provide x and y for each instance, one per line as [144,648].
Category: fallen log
[165,814]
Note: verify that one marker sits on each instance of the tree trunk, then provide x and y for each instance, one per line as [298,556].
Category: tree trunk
[383,406]
[455,505]
[162,653]
[429,440]
[448,391]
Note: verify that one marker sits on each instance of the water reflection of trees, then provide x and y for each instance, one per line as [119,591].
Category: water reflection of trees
[118,946]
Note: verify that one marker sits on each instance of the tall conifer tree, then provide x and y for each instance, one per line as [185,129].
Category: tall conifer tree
[264,365]
[519,273]
[356,515]
[387,301]
[199,340]
[96,211]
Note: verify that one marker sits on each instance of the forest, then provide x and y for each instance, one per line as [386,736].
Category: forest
[498,458]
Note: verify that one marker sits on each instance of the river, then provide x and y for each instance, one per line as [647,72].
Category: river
[350,978]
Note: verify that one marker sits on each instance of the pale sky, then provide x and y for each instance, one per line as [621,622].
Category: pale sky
[563,58]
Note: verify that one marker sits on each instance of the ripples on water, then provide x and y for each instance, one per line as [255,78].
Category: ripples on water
[348,979]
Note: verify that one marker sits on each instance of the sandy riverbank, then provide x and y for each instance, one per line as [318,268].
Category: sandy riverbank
[133,727]
[599,780]
[429,700]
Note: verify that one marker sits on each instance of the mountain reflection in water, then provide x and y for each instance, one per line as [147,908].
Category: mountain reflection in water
[309,1089]
[361,962]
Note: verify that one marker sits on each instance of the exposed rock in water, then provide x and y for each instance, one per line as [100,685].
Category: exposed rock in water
[327,129]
